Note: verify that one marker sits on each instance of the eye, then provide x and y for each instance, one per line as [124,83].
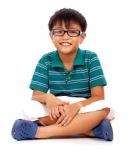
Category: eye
[73,31]
[58,32]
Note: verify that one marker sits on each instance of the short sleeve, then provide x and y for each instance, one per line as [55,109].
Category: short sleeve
[96,74]
[40,77]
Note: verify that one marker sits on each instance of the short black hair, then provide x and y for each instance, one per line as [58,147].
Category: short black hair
[67,15]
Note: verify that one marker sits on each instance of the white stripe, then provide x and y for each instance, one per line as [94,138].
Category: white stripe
[78,81]
[96,78]
[42,66]
[95,68]
[40,75]
[56,73]
[39,83]
[73,90]
[93,59]
[57,82]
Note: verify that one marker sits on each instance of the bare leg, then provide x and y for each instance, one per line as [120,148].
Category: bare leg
[81,124]
[46,120]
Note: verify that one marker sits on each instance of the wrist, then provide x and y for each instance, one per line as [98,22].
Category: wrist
[49,97]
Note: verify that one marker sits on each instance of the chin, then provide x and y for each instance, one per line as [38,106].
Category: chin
[66,51]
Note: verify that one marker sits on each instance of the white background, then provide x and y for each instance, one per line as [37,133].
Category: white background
[24,38]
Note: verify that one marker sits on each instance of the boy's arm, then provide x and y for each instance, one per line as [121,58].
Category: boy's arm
[52,102]
[40,96]
[97,93]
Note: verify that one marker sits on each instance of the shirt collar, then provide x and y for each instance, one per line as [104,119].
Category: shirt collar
[56,61]
[79,60]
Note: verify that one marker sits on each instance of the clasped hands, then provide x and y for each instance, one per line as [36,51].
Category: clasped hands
[62,112]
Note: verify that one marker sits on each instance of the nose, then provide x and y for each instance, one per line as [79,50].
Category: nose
[66,36]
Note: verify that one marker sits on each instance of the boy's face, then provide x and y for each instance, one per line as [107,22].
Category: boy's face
[67,43]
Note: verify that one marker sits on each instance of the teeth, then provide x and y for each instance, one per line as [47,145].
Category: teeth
[65,44]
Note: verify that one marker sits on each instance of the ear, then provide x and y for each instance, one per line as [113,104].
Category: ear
[51,36]
[82,37]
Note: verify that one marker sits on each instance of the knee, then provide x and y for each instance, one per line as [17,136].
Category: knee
[106,110]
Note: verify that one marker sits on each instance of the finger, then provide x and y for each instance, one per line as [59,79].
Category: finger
[64,121]
[61,110]
[66,103]
[50,114]
[67,122]
[57,112]
[53,114]
[60,120]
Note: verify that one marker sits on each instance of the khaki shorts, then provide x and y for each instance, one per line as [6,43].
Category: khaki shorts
[34,110]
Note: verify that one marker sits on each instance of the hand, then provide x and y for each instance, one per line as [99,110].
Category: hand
[54,105]
[70,111]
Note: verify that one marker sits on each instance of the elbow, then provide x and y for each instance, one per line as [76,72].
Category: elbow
[35,96]
[101,97]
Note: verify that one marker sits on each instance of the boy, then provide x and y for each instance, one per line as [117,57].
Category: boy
[75,105]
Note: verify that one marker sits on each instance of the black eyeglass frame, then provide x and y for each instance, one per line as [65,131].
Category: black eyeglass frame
[53,31]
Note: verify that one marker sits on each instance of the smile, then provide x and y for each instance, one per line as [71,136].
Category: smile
[65,44]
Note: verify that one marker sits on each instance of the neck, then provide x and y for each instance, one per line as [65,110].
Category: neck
[68,59]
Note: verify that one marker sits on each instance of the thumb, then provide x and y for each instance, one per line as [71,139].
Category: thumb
[66,103]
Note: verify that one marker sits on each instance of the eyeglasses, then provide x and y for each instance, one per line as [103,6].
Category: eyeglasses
[70,32]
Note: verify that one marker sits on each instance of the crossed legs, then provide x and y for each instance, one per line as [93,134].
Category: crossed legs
[92,123]
[82,124]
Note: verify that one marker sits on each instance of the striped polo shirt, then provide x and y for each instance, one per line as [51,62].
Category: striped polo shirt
[51,76]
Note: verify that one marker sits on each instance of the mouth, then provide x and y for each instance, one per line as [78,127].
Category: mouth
[65,43]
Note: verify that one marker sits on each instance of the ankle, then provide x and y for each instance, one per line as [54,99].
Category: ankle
[39,134]
[89,133]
